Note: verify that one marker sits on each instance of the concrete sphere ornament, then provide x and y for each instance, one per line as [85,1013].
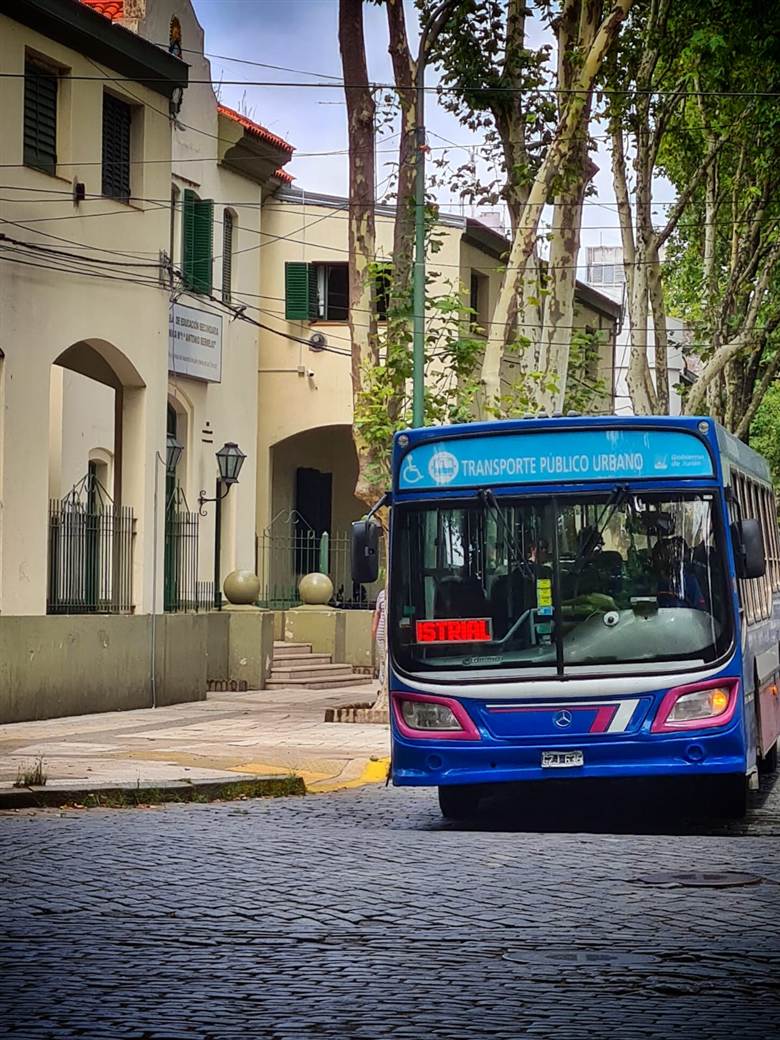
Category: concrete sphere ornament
[315,589]
[241,587]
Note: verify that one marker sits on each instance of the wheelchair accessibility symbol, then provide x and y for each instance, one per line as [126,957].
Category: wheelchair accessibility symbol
[411,474]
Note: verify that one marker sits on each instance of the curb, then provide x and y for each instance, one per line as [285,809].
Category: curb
[118,795]
[373,771]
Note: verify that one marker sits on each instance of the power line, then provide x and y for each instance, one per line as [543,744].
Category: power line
[235,312]
[335,214]
[438,89]
[323,245]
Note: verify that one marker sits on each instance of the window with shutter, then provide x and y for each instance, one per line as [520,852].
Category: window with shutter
[300,291]
[384,283]
[227,255]
[197,230]
[117,117]
[40,117]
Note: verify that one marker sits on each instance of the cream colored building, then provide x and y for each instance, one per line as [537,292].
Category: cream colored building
[85,148]
[132,207]
[306,462]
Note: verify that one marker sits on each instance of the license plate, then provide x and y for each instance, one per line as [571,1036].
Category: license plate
[562,759]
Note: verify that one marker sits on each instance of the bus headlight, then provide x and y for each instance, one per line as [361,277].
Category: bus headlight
[426,715]
[697,706]
[419,715]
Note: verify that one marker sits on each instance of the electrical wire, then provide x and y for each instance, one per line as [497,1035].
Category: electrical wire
[437,89]
[337,211]
[235,312]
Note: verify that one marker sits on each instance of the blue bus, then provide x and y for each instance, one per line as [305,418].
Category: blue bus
[580,597]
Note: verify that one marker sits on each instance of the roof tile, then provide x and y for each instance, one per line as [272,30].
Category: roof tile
[113,9]
[255,128]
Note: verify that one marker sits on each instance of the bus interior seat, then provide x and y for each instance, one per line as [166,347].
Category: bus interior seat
[602,573]
[510,595]
[458,597]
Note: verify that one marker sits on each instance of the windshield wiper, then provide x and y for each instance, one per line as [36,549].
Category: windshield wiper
[488,499]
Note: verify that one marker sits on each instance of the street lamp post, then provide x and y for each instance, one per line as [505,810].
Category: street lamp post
[230,459]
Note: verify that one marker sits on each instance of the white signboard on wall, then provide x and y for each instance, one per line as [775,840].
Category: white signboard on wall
[195,343]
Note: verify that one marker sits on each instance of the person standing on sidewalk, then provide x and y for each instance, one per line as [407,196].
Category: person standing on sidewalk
[379,635]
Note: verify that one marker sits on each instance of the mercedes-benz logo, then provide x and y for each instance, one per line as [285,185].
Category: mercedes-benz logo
[562,719]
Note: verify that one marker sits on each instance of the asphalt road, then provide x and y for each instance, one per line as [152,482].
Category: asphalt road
[362,914]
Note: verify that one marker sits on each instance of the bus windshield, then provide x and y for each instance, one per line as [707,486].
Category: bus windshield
[559,585]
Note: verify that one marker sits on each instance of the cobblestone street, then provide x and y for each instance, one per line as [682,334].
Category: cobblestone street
[361,914]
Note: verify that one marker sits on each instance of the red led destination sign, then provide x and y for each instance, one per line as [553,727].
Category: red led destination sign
[455,630]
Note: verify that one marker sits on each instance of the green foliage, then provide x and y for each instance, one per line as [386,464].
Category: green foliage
[585,389]
[452,358]
[765,432]
[689,77]
[496,86]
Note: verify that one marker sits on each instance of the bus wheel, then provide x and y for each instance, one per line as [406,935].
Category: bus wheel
[731,796]
[458,803]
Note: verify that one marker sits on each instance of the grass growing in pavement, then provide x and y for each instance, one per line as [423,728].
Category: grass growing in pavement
[31,776]
[276,788]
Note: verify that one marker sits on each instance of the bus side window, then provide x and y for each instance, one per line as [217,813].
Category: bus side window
[767,579]
[764,595]
[747,593]
[771,535]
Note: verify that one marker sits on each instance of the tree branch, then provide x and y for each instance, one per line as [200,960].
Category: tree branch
[770,372]
[684,198]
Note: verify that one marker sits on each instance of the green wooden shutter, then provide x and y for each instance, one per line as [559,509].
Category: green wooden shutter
[188,235]
[300,291]
[117,117]
[204,234]
[227,256]
[198,227]
[40,118]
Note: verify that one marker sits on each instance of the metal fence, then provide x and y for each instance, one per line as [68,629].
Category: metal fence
[288,549]
[90,553]
[182,589]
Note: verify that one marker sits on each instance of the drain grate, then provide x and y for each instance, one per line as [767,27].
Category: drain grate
[700,879]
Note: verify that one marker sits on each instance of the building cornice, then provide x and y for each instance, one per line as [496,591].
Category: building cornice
[90,33]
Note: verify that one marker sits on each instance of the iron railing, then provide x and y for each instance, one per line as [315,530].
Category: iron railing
[182,590]
[289,548]
[90,552]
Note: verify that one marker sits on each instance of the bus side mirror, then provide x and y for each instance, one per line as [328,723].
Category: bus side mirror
[748,549]
[365,551]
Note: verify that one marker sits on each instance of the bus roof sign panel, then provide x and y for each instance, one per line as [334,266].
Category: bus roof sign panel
[554,457]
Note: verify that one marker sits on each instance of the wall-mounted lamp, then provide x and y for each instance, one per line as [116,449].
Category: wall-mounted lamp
[230,459]
[173,452]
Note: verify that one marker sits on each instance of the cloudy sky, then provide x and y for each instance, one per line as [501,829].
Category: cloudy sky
[303,35]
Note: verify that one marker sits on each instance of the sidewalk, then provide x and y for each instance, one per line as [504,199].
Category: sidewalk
[228,737]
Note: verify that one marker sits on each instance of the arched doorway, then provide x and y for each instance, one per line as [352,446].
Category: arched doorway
[313,476]
[94,393]
[182,589]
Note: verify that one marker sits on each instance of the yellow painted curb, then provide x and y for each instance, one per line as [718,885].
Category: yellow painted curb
[374,772]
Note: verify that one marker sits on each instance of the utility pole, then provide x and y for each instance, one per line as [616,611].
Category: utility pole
[418,304]
[431,30]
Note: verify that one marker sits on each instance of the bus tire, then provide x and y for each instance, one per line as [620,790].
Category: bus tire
[731,796]
[458,802]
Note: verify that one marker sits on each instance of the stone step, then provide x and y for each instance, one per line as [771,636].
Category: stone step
[315,671]
[292,648]
[320,684]
[299,659]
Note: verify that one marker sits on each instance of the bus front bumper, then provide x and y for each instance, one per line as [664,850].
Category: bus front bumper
[437,763]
